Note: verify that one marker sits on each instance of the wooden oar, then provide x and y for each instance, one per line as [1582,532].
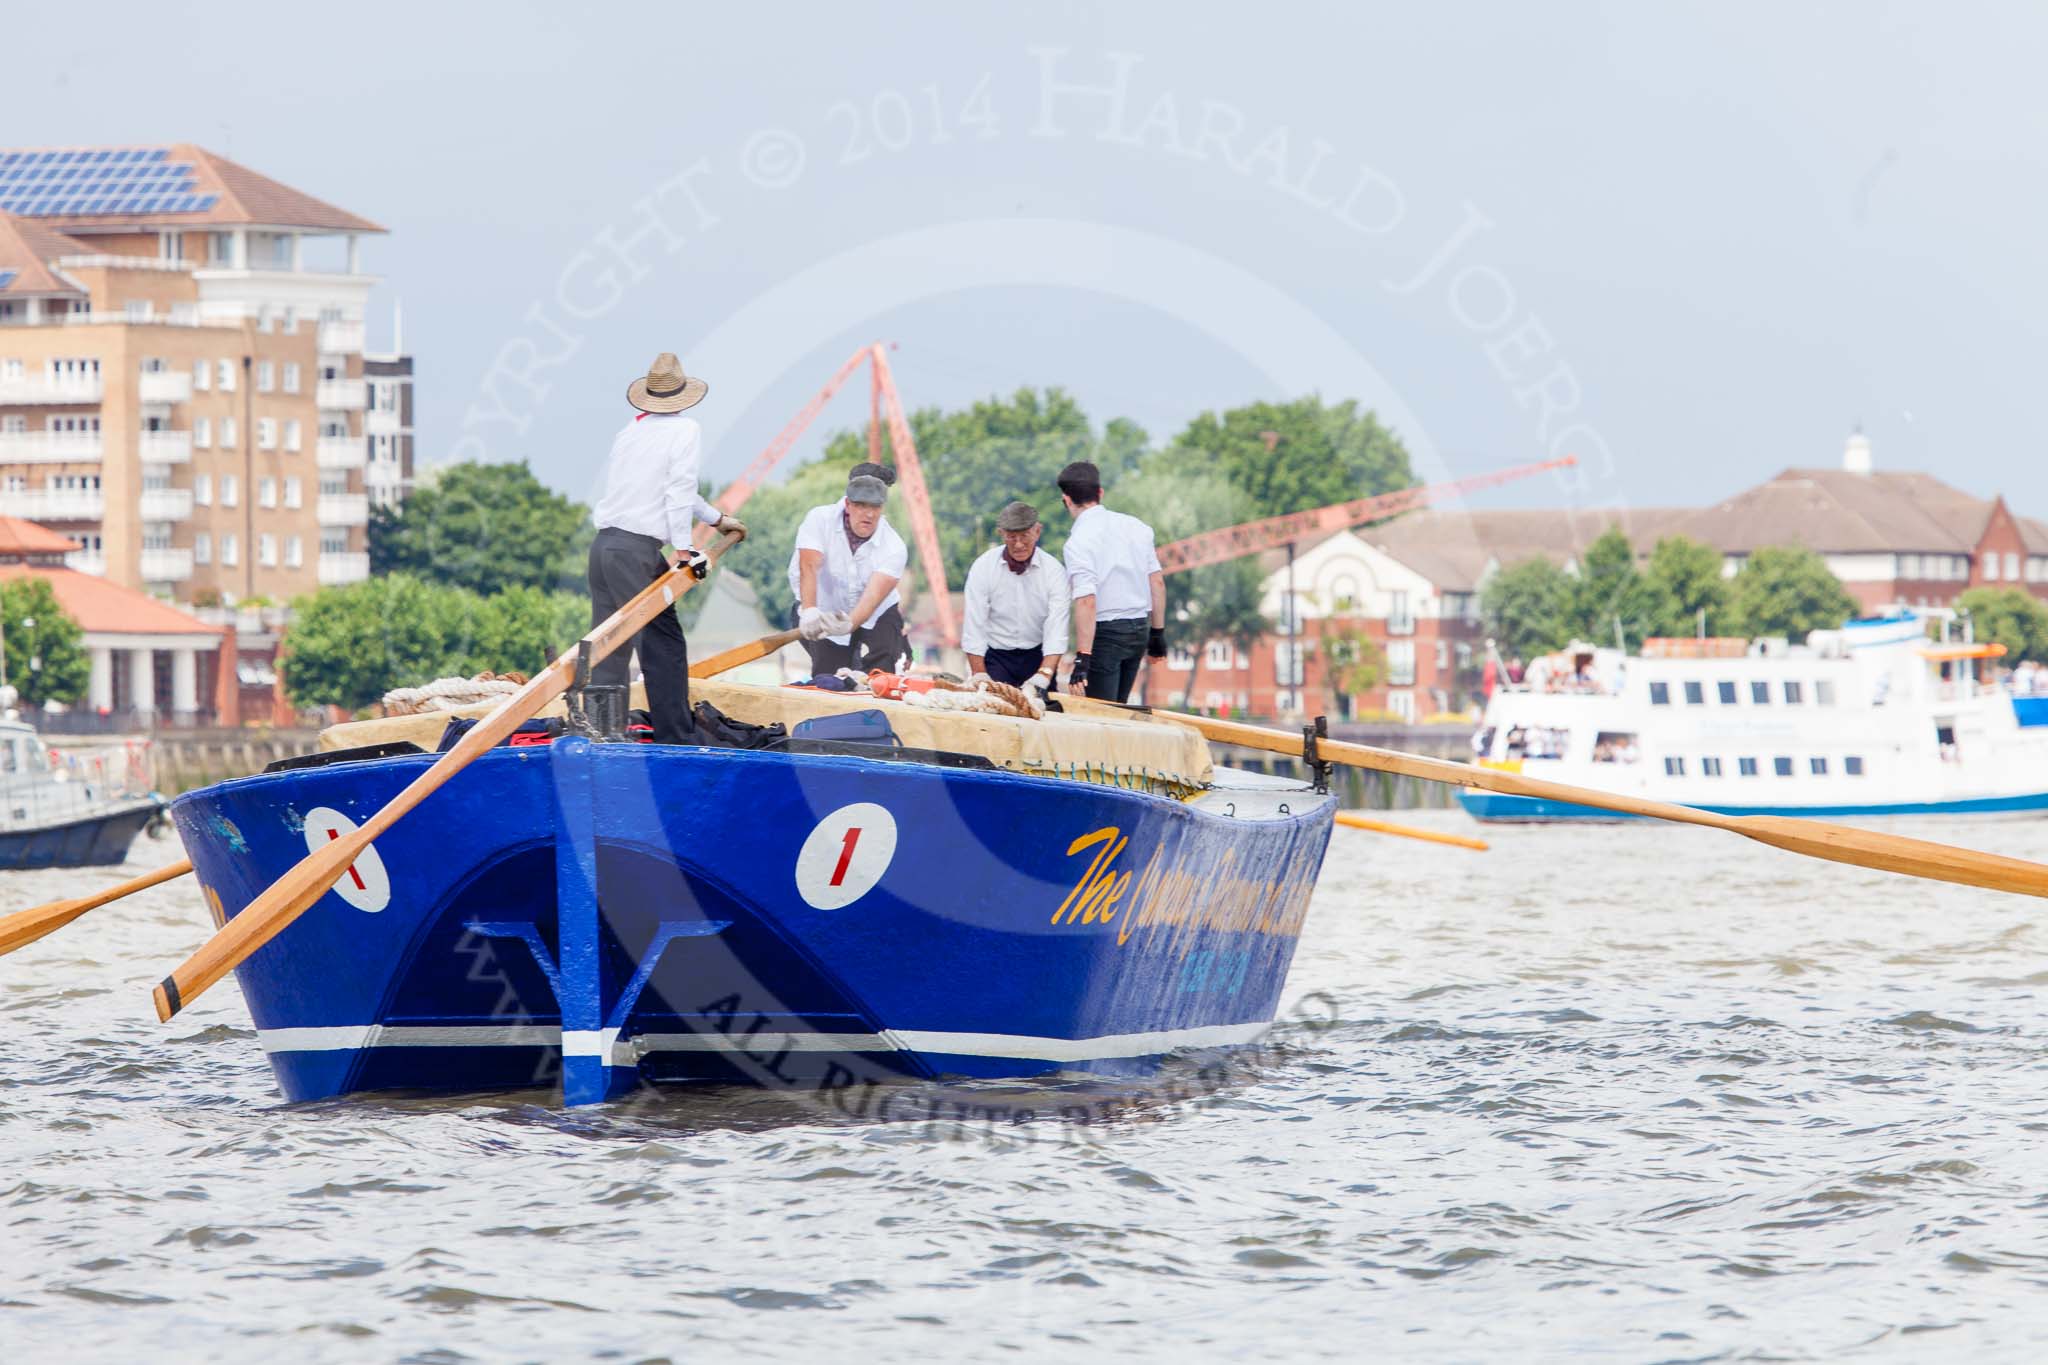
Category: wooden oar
[24,927]
[742,654]
[1814,838]
[290,895]
[1350,820]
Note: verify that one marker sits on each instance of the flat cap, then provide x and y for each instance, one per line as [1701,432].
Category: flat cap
[866,488]
[1017,516]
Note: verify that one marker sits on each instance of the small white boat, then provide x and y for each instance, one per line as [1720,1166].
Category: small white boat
[1876,718]
[74,807]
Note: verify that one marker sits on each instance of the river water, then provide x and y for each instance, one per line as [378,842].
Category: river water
[1621,1093]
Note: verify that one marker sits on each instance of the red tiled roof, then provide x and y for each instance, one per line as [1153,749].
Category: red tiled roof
[19,537]
[105,607]
[27,247]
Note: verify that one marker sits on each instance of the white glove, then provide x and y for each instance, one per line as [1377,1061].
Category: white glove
[810,624]
[838,623]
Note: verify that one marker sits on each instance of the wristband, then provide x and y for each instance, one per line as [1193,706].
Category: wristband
[1079,675]
[1155,643]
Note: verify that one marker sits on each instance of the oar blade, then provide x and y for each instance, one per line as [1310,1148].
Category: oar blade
[24,927]
[1897,853]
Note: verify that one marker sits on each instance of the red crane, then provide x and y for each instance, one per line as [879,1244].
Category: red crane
[883,405]
[1234,542]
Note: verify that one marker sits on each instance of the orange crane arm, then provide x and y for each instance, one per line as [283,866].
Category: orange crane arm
[736,494]
[1234,542]
[910,478]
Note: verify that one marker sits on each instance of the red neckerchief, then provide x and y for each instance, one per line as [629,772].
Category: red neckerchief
[854,542]
[1014,566]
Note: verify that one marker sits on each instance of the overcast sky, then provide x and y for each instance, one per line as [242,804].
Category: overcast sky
[1692,244]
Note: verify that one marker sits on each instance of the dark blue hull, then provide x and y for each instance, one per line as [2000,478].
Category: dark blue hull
[615,913]
[101,839]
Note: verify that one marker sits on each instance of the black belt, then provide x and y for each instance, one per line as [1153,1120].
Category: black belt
[655,541]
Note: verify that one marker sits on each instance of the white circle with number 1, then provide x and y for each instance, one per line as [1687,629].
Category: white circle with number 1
[846,855]
[364,883]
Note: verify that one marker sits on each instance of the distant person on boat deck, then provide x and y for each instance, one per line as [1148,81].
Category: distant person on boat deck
[1016,627]
[650,497]
[1119,589]
[843,574]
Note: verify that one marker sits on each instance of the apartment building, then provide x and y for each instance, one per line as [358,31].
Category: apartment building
[183,388]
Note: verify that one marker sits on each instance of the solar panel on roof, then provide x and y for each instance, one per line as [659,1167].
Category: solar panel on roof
[123,180]
[6,278]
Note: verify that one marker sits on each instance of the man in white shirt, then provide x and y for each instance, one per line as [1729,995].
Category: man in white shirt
[843,574]
[650,497]
[1118,587]
[1016,628]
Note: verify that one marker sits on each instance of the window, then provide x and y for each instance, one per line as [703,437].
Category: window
[291,375]
[202,375]
[1216,654]
[1760,693]
[293,498]
[1991,565]
[1793,693]
[227,376]
[333,542]
[1400,615]
[1402,704]
[230,550]
[1726,691]
[220,248]
[1853,765]
[229,433]
[1824,693]
[291,434]
[1178,658]
[2012,568]
[202,548]
[202,433]
[138,310]
[1710,767]
[1695,694]
[1674,767]
[294,552]
[1660,694]
[1782,766]
[266,377]
[266,433]
[1287,664]
[266,551]
[1401,662]
[266,492]
[1817,766]
[1746,766]
[202,489]
[230,492]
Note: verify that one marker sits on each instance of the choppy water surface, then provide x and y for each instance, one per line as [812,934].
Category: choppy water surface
[1632,1093]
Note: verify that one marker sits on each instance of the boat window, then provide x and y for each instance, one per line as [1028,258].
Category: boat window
[1760,693]
[1945,742]
[1695,694]
[1547,741]
[1482,742]
[1823,693]
[1792,693]
[1746,766]
[1727,691]
[1674,767]
[1517,742]
[1819,766]
[1660,694]
[1710,767]
[1782,766]
[1853,765]
[8,761]
[1615,746]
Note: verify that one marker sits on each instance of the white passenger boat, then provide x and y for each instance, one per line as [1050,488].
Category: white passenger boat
[1876,718]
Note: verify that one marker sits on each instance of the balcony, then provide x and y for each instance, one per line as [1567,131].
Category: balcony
[87,390]
[166,504]
[54,504]
[341,338]
[87,561]
[350,567]
[344,509]
[340,395]
[49,447]
[340,452]
[166,565]
[166,386]
[380,422]
[166,447]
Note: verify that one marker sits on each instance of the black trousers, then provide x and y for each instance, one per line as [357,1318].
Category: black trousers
[879,645]
[1014,666]
[621,564]
[1113,662]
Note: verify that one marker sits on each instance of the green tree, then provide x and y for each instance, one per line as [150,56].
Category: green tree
[1353,663]
[1787,590]
[1684,578]
[1528,608]
[46,661]
[1317,454]
[2012,617]
[483,527]
[1609,589]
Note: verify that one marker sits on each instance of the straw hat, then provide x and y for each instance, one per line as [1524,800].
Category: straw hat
[666,388]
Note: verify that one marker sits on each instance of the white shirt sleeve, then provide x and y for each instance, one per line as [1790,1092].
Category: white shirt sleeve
[810,532]
[1080,557]
[974,630]
[893,557]
[681,504]
[1056,604]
